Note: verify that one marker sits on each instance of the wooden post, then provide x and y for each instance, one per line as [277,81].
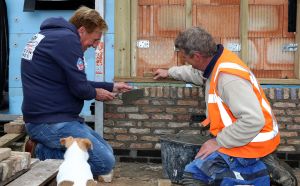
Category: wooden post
[297,53]
[122,38]
[188,13]
[244,17]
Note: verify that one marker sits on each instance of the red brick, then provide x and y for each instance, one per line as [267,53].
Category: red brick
[126,137]
[114,116]
[115,144]
[138,116]
[176,110]
[150,109]
[162,116]
[141,145]
[150,138]
[288,134]
[187,102]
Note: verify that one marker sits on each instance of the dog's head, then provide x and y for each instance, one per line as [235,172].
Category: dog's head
[83,143]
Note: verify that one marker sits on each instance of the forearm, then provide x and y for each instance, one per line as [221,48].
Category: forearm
[105,85]
[186,73]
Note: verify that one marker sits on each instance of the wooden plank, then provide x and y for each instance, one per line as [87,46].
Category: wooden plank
[297,54]
[40,174]
[188,13]
[134,26]
[7,139]
[2,183]
[279,81]
[244,16]
[122,38]
[33,162]
[8,117]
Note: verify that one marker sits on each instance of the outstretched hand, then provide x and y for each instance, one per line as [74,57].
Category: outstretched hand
[121,87]
[160,74]
[207,148]
[104,95]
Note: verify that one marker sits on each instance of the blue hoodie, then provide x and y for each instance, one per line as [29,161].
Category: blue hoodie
[53,77]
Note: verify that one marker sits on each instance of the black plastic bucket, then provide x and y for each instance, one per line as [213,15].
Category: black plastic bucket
[177,151]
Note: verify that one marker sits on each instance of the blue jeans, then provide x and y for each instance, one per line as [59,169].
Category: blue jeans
[221,169]
[101,158]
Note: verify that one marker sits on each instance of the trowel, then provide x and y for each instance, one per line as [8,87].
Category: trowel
[131,95]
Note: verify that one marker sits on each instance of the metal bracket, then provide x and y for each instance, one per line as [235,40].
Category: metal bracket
[234,47]
[143,43]
[290,47]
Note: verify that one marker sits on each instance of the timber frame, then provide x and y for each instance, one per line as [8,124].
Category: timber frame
[126,32]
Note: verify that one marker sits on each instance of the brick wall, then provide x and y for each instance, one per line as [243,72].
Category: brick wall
[168,110]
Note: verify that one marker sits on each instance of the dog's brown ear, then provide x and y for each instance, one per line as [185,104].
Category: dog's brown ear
[63,141]
[87,143]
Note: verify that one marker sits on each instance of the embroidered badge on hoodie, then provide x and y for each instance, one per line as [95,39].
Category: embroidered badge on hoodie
[80,64]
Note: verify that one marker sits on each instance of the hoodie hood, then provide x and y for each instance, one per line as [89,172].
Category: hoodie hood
[58,22]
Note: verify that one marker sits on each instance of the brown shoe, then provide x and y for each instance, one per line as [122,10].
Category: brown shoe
[30,147]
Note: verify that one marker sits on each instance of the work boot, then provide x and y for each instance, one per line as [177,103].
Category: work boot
[188,180]
[30,146]
[280,172]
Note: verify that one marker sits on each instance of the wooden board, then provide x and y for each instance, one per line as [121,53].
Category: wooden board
[7,139]
[40,174]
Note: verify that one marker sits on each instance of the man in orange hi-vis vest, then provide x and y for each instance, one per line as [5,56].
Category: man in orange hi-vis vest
[244,129]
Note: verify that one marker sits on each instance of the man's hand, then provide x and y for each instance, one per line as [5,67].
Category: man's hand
[160,74]
[121,87]
[104,95]
[207,148]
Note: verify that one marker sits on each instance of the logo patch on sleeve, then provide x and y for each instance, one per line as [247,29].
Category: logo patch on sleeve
[80,64]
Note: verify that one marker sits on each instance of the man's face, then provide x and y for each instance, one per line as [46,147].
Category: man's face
[196,60]
[89,39]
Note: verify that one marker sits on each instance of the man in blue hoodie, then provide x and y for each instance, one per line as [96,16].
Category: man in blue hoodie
[55,87]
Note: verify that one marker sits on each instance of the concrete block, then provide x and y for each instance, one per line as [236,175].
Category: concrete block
[14,127]
[4,153]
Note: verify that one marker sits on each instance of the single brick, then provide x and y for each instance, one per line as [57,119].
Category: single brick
[4,153]
[14,128]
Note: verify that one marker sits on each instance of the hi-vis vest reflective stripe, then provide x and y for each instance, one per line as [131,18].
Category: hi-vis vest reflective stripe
[220,115]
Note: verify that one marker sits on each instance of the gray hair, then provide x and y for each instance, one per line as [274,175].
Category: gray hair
[196,39]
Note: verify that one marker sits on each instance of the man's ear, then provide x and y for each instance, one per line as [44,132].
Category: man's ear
[81,30]
[197,55]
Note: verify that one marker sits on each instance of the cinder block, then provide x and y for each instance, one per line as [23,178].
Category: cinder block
[14,127]
[4,153]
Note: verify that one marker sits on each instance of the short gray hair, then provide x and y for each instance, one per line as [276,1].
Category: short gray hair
[196,39]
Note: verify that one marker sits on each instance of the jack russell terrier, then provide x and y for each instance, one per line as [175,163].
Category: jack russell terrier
[75,170]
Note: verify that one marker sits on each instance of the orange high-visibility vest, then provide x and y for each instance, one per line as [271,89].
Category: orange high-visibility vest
[220,115]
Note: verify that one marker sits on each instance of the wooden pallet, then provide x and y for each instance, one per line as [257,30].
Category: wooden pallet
[7,139]
[41,173]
